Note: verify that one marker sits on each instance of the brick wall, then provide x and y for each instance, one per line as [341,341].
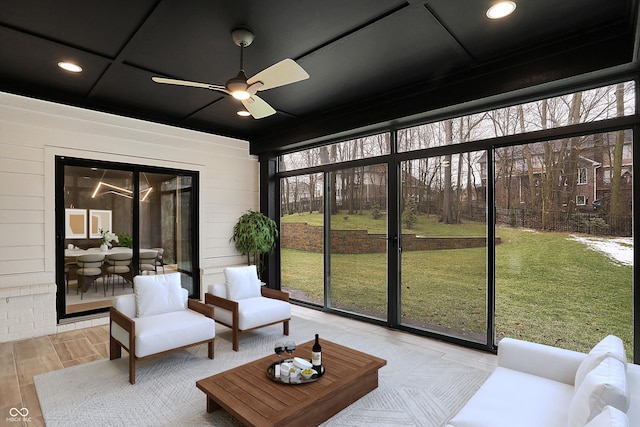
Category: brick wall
[305,237]
[30,311]
[27,311]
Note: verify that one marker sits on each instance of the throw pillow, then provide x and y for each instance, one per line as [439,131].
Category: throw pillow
[157,294]
[610,417]
[242,282]
[610,346]
[605,385]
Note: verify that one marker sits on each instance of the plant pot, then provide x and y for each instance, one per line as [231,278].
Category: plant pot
[104,247]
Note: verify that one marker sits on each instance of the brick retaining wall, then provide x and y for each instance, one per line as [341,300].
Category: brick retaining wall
[310,238]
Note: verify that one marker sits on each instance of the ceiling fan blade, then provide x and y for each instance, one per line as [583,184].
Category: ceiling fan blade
[282,73]
[258,107]
[188,83]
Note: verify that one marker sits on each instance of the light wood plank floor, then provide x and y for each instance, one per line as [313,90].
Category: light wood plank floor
[21,360]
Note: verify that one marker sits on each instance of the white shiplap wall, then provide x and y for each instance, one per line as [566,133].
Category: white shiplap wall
[33,132]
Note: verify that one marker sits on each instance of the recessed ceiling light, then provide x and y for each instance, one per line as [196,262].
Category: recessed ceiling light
[243,113]
[500,10]
[70,66]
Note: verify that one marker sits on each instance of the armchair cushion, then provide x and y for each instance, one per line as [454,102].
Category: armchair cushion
[255,312]
[242,282]
[126,304]
[163,332]
[219,290]
[158,294]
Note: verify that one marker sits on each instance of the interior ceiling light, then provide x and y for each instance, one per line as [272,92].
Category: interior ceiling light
[500,10]
[70,66]
[243,113]
[119,191]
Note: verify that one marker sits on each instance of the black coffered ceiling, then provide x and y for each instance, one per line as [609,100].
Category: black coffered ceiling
[369,61]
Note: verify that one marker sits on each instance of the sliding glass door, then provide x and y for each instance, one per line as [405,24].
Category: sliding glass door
[302,237]
[494,232]
[444,246]
[358,241]
[166,227]
[131,219]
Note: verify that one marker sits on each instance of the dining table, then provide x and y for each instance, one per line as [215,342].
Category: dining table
[71,255]
[76,252]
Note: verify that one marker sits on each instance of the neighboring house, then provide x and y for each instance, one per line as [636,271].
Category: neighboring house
[592,176]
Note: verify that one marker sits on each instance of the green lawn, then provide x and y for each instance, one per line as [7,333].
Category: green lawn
[549,289]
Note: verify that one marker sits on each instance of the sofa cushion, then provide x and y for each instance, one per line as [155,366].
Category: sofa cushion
[167,331]
[511,398]
[609,417]
[242,282]
[606,384]
[610,346]
[158,294]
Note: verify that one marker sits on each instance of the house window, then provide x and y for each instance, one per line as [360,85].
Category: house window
[582,176]
[581,200]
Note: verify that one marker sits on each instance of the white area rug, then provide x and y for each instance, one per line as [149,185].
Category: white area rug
[415,388]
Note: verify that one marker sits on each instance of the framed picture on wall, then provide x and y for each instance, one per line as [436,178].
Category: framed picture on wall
[75,224]
[98,220]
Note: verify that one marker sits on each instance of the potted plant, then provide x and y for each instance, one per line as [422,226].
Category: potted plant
[254,235]
[125,240]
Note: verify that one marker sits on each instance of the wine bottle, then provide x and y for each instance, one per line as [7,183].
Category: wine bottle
[316,355]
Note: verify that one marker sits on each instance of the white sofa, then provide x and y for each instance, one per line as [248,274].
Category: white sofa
[535,385]
[158,317]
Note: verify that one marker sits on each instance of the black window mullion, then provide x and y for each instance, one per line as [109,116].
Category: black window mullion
[491,251]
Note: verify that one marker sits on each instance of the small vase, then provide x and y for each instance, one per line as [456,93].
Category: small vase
[104,247]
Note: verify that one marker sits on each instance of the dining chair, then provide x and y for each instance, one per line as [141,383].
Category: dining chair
[119,264]
[159,259]
[69,268]
[89,269]
[148,260]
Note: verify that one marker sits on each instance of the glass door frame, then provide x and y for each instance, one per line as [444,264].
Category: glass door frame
[393,163]
[60,163]
[270,201]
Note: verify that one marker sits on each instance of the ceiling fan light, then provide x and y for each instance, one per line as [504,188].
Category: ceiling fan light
[240,94]
[501,9]
[237,86]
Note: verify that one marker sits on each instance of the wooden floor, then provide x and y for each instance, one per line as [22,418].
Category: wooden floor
[21,360]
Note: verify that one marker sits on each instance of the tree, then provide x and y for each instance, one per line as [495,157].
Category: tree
[447,207]
[616,172]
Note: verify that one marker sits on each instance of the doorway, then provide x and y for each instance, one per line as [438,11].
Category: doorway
[132,219]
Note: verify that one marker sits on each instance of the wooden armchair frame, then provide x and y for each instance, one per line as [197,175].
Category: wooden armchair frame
[232,306]
[129,325]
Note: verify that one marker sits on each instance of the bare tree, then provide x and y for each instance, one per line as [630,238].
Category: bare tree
[616,171]
[447,206]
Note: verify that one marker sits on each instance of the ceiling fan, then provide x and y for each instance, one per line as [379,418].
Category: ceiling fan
[240,87]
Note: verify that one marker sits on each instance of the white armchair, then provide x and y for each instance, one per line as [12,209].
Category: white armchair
[158,317]
[243,304]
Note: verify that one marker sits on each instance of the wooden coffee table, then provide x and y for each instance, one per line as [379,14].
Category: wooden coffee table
[249,395]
